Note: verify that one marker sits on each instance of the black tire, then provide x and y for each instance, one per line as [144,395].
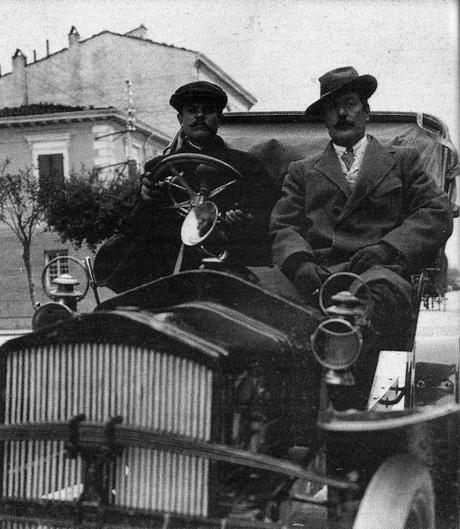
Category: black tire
[399,496]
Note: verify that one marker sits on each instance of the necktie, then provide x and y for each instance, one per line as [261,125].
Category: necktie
[348,158]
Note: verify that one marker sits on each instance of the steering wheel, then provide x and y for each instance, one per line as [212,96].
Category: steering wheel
[45,283]
[193,178]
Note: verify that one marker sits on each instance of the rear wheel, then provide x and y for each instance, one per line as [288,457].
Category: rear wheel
[399,496]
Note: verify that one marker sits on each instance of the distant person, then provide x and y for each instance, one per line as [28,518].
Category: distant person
[359,207]
[148,242]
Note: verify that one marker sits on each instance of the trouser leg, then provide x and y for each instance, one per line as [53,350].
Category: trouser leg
[391,327]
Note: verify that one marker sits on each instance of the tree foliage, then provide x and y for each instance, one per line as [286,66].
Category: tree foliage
[22,210]
[88,207]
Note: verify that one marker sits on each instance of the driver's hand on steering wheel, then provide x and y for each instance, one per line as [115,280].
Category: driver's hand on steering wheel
[238,218]
[150,190]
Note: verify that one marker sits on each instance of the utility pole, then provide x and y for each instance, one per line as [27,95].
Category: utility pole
[130,123]
[129,162]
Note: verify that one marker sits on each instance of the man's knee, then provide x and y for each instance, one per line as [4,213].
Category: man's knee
[391,313]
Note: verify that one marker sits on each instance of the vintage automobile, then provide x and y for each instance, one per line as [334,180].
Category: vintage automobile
[203,399]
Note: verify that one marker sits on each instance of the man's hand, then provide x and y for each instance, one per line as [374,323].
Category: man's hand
[150,190]
[237,218]
[378,254]
[309,277]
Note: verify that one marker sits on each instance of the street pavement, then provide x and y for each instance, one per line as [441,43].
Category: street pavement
[441,320]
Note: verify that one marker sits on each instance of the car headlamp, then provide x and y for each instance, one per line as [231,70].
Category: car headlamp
[336,343]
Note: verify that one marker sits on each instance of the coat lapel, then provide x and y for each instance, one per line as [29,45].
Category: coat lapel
[376,163]
[329,165]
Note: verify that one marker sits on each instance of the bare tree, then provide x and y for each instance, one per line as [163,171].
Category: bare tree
[22,210]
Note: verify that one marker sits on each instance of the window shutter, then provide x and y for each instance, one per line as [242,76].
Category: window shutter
[50,170]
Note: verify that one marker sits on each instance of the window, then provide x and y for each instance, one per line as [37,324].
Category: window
[57,268]
[136,154]
[50,170]
[50,154]
[104,146]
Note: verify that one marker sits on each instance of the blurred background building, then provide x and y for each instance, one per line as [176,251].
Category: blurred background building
[96,104]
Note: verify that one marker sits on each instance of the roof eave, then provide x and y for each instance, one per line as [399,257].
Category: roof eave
[200,58]
[80,116]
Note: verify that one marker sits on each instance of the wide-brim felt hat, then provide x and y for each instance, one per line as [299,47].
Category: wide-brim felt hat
[340,80]
[199,90]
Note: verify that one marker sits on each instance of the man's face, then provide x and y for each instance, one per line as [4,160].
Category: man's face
[345,117]
[199,120]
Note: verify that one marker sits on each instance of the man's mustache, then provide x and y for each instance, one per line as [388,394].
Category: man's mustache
[344,123]
[199,124]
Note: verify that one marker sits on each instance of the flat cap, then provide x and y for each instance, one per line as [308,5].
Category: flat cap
[199,90]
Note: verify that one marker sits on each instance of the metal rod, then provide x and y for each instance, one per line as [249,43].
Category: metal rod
[92,280]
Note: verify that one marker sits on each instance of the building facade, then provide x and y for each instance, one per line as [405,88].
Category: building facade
[96,103]
[54,141]
[95,72]
[74,138]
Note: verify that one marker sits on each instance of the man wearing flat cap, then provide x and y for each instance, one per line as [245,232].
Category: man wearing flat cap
[359,207]
[148,242]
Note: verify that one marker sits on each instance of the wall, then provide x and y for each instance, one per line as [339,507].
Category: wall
[83,147]
[236,103]
[15,144]
[94,72]
[15,306]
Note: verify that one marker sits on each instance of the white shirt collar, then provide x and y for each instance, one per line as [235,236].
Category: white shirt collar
[358,147]
[352,173]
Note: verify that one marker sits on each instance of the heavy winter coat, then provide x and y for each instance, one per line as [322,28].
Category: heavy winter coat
[147,245]
[320,218]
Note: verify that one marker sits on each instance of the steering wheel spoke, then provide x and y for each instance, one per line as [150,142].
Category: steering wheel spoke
[182,207]
[190,177]
[221,188]
[179,176]
[179,205]
[177,186]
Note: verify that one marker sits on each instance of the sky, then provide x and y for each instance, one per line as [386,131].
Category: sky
[277,49]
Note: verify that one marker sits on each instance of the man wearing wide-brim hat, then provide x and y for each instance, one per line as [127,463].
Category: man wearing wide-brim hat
[359,207]
[147,244]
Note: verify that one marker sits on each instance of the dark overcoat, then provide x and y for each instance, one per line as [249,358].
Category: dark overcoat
[147,244]
[319,217]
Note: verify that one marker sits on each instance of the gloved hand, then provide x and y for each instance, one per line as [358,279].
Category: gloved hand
[309,277]
[378,254]
[238,218]
[150,190]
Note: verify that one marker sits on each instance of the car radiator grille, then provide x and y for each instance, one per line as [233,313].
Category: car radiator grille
[147,388]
